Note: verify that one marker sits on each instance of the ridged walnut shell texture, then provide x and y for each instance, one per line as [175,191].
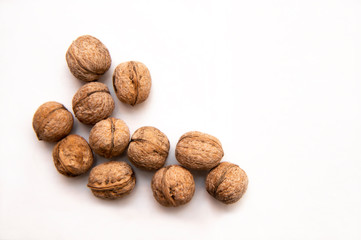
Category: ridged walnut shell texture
[199,151]
[93,103]
[88,58]
[52,121]
[109,137]
[72,156]
[132,82]
[227,182]
[173,186]
[111,180]
[148,148]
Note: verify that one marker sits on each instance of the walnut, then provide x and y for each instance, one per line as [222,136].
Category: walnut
[92,103]
[88,59]
[227,182]
[148,148]
[199,151]
[111,180]
[173,186]
[72,156]
[109,137]
[52,121]
[132,82]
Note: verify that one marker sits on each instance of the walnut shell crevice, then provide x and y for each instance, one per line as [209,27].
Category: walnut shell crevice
[72,156]
[198,151]
[132,82]
[173,186]
[227,182]
[52,121]
[148,148]
[111,180]
[88,58]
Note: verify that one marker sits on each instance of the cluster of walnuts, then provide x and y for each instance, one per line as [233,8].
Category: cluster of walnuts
[147,148]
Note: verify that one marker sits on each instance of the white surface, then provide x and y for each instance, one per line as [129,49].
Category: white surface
[278,82]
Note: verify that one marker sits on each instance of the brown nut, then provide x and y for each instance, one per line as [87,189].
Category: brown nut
[52,121]
[92,103]
[173,186]
[148,148]
[199,151]
[72,156]
[132,82]
[109,137]
[111,180]
[88,58]
[227,182]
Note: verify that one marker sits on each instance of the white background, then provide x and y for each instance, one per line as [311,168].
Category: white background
[278,82]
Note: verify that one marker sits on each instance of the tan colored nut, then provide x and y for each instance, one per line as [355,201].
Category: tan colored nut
[88,58]
[227,182]
[132,82]
[52,121]
[93,103]
[173,186]
[111,180]
[109,137]
[148,148]
[72,156]
[199,151]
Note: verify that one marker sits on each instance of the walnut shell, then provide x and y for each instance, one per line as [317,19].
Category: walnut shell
[199,151]
[52,121]
[132,82]
[109,137]
[88,58]
[227,182]
[111,180]
[93,103]
[72,156]
[173,186]
[148,148]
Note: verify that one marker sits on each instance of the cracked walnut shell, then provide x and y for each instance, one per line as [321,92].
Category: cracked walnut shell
[88,58]
[92,103]
[52,121]
[111,180]
[72,156]
[148,148]
[227,182]
[199,151]
[109,137]
[132,82]
[173,186]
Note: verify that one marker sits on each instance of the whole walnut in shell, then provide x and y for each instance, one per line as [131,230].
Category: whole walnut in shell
[227,182]
[111,180]
[173,186]
[132,82]
[52,121]
[148,148]
[199,151]
[72,156]
[88,59]
[92,103]
[109,137]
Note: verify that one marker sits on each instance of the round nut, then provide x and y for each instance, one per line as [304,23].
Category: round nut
[173,186]
[92,103]
[199,151]
[111,180]
[52,121]
[132,82]
[109,137]
[72,156]
[88,59]
[227,182]
[148,148]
